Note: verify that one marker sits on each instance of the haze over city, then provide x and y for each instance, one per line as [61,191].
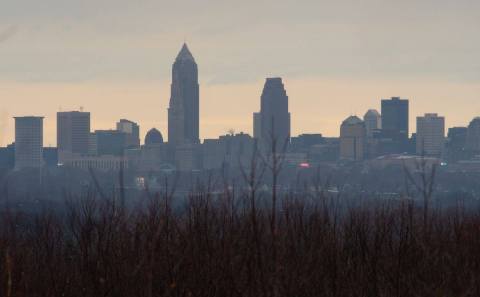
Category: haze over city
[114,58]
[252,148]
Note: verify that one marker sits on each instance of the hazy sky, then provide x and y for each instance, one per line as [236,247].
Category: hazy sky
[337,58]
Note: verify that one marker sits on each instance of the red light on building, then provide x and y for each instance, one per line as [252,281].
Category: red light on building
[304,165]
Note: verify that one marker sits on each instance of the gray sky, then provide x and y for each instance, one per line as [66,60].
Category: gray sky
[114,58]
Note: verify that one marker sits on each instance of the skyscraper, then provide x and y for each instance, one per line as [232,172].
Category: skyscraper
[183,111]
[274,115]
[132,131]
[473,136]
[430,135]
[352,139]
[28,142]
[73,130]
[395,122]
[373,121]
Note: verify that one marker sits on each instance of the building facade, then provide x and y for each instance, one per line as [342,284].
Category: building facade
[456,144]
[257,125]
[28,142]
[473,136]
[228,151]
[101,163]
[430,139]
[373,122]
[352,139]
[274,120]
[7,157]
[395,116]
[73,132]
[109,142]
[152,156]
[183,111]
[303,142]
[132,132]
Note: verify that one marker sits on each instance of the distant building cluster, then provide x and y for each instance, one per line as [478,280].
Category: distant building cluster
[379,137]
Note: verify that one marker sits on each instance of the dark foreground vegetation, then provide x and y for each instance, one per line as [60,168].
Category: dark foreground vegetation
[228,245]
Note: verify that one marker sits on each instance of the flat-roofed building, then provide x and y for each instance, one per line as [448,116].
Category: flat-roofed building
[430,135]
[28,142]
[73,133]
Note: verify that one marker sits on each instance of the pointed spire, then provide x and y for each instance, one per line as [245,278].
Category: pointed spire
[185,54]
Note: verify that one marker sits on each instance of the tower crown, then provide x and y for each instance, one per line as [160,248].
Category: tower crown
[185,54]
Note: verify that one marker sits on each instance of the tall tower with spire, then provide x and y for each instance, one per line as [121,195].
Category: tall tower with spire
[183,110]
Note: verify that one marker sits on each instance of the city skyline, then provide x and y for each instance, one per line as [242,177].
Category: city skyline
[331,128]
[211,127]
[107,54]
[239,148]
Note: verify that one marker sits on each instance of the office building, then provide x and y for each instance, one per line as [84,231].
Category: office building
[456,144]
[352,139]
[395,116]
[430,136]
[73,132]
[303,142]
[50,156]
[28,142]
[183,111]
[274,118]
[109,142]
[326,152]
[373,122]
[228,151]
[132,132]
[473,137]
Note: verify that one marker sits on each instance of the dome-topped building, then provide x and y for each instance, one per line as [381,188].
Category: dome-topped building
[373,121]
[352,120]
[153,137]
[352,139]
